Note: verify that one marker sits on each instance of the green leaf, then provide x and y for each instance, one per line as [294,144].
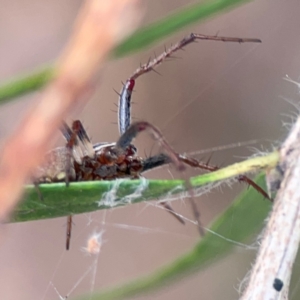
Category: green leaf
[242,219]
[80,197]
[20,85]
[26,83]
[59,200]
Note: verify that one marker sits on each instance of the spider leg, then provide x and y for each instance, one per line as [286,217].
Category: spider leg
[124,107]
[196,164]
[129,132]
[150,65]
[155,161]
[73,151]
[170,209]
[134,129]
[78,128]
[152,162]
[66,131]
[71,142]
[162,159]
[72,136]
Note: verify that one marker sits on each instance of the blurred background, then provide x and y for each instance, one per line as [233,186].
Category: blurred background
[213,94]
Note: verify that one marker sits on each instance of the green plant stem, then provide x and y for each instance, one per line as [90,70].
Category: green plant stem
[21,85]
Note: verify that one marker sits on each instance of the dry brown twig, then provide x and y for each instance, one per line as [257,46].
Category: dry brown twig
[271,274]
[99,27]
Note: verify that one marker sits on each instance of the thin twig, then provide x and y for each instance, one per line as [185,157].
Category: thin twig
[270,276]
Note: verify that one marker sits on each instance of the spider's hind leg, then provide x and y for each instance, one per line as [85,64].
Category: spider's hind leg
[156,161]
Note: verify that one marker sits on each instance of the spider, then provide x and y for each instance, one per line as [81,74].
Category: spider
[80,160]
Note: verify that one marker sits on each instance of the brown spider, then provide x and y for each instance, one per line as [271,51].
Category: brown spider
[81,160]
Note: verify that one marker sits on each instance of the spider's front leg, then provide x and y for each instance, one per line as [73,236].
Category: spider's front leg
[74,154]
[76,151]
[124,107]
[128,131]
[138,127]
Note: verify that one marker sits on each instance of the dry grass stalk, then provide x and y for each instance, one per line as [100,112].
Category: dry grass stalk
[271,274]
